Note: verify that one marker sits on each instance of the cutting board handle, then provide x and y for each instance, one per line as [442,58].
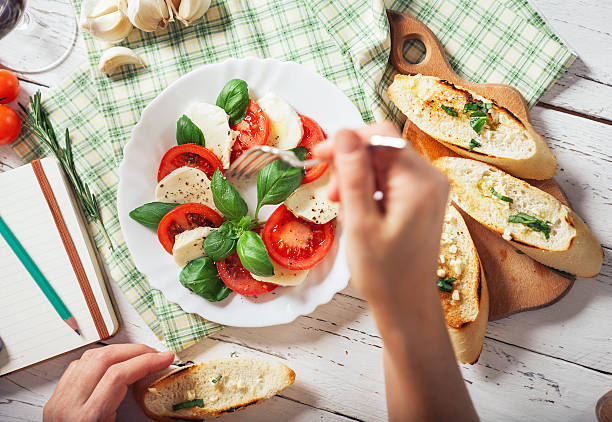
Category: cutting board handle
[404,27]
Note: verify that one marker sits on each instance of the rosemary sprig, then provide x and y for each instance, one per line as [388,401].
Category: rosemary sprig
[37,120]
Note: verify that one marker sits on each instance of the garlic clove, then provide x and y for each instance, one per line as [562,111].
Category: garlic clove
[91,9]
[115,57]
[146,15]
[189,11]
[112,27]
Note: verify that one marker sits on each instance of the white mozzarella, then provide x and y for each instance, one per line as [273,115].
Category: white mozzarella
[285,124]
[283,276]
[212,121]
[188,245]
[310,201]
[185,185]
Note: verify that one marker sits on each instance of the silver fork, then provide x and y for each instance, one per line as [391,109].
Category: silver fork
[256,158]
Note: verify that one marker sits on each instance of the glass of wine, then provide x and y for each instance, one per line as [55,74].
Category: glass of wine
[35,39]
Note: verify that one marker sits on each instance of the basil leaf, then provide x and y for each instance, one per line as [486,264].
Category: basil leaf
[300,152]
[226,197]
[446,284]
[253,254]
[221,243]
[234,99]
[275,182]
[502,197]
[188,132]
[450,110]
[201,277]
[151,214]
[188,404]
[477,105]
[561,273]
[474,144]
[532,222]
[478,120]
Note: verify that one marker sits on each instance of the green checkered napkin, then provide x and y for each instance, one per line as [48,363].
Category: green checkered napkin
[345,41]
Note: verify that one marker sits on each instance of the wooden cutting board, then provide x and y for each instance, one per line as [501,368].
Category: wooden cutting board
[516,282]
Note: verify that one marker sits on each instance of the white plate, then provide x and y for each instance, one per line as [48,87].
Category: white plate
[310,94]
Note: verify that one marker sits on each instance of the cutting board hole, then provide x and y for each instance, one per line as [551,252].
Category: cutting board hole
[414,51]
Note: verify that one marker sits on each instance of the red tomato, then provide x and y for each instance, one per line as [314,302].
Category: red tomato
[238,279]
[313,134]
[9,86]
[10,125]
[295,243]
[190,155]
[185,217]
[254,130]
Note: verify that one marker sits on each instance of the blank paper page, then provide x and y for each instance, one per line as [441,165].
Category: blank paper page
[30,328]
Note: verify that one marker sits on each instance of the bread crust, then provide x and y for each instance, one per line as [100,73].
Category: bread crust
[468,340]
[583,255]
[541,164]
[141,392]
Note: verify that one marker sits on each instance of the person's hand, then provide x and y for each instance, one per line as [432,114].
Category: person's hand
[393,243]
[93,387]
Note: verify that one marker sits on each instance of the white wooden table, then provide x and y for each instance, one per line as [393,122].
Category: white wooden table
[546,365]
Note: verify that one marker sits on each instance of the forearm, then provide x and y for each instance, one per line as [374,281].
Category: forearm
[422,379]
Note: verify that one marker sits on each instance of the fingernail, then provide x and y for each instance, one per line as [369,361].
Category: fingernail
[166,354]
[347,142]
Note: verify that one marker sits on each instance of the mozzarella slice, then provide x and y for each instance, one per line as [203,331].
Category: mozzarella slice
[283,276]
[188,245]
[212,121]
[185,185]
[285,124]
[310,201]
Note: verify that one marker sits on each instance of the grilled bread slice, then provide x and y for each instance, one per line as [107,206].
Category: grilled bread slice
[224,385]
[532,220]
[438,108]
[463,288]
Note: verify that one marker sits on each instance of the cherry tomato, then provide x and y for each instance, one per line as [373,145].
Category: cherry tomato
[9,86]
[190,155]
[313,134]
[295,243]
[254,130]
[10,125]
[238,279]
[185,217]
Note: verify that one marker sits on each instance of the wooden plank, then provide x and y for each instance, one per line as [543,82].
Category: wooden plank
[585,26]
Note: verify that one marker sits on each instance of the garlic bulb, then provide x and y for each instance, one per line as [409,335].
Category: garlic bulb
[188,11]
[115,57]
[103,20]
[146,15]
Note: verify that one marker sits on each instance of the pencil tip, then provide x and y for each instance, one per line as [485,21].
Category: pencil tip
[77,331]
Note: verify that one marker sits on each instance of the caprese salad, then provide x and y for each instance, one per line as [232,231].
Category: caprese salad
[202,219]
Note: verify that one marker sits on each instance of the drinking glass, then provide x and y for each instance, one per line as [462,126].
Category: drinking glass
[35,37]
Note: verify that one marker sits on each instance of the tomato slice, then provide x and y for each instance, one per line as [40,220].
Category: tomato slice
[190,155]
[313,134]
[185,217]
[254,130]
[238,279]
[295,243]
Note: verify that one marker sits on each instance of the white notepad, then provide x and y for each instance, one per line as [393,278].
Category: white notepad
[30,328]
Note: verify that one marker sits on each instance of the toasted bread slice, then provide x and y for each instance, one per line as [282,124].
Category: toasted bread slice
[559,238]
[504,140]
[225,386]
[466,306]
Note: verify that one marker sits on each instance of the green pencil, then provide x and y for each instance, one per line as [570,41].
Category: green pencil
[38,277]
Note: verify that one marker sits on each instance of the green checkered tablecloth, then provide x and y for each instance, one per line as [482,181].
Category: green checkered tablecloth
[345,41]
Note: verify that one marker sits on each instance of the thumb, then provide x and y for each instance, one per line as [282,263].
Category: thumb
[355,177]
